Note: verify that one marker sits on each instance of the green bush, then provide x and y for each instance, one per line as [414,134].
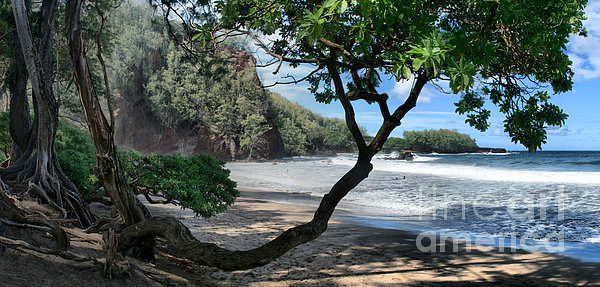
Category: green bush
[200,183]
[77,157]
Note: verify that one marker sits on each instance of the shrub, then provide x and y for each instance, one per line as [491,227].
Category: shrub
[200,183]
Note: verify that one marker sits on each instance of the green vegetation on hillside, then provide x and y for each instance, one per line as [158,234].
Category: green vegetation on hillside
[441,141]
[306,132]
[179,96]
[222,97]
[180,90]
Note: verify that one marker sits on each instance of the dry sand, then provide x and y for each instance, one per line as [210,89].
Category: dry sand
[345,255]
[351,255]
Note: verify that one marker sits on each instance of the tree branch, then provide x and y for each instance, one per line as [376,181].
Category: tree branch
[411,101]
[281,58]
[295,81]
[349,110]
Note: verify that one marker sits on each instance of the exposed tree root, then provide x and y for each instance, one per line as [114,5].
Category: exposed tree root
[53,188]
[39,192]
[186,246]
[12,215]
[25,246]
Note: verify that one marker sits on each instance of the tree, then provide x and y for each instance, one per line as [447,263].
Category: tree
[254,127]
[35,160]
[507,46]
[109,168]
[200,183]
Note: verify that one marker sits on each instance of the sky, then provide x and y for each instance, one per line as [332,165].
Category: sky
[435,109]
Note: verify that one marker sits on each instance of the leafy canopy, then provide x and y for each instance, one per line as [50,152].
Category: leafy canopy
[501,51]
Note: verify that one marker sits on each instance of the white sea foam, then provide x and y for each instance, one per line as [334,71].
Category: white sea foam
[421,165]
[433,184]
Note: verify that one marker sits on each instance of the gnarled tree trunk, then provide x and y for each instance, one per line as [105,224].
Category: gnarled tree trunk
[109,169]
[19,120]
[37,164]
[210,254]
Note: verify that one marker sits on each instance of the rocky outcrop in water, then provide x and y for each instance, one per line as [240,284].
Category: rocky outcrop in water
[408,156]
[491,150]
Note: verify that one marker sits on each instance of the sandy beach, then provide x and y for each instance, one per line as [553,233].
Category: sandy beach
[352,255]
[345,255]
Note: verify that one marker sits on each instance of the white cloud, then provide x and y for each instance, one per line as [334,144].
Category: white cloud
[562,131]
[402,89]
[583,51]
[286,74]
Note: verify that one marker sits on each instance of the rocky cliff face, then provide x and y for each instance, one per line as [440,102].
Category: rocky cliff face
[137,128]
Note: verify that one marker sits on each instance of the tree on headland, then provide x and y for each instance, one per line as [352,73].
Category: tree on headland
[510,48]
[254,128]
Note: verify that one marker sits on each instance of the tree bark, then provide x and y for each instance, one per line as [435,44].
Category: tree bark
[38,165]
[19,120]
[109,169]
[108,166]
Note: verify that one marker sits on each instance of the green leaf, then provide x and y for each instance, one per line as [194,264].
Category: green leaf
[417,63]
[406,73]
[365,8]
[343,6]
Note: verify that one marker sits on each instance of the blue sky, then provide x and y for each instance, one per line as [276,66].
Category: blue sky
[435,109]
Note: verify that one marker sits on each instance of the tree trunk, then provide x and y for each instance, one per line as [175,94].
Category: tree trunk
[108,167]
[19,120]
[38,165]
[209,254]
[183,242]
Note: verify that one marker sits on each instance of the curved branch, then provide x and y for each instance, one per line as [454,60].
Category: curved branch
[363,95]
[210,254]
[101,60]
[265,48]
[295,81]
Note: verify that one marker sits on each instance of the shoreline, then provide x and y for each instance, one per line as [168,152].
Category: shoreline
[361,215]
[349,254]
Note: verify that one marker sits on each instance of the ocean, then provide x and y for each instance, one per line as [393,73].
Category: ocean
[545,201]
